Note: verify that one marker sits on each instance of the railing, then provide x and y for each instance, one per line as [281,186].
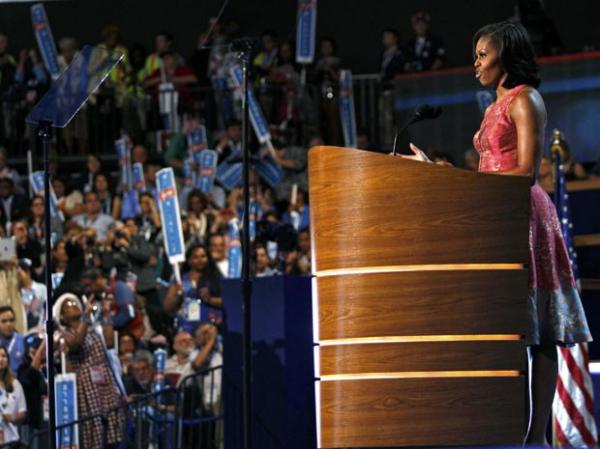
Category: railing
[189,414]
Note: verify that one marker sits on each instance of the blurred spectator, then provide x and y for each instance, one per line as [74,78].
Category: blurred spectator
[163,43]
[327,75]
[97,390]
[218,252]
[119,77]
[36,219]
[12,399]
[392,59]
[173,71]
[286,77]
[31,79]
[294,162]
[201,282]
[32,378]
[424,51]
[262,262]
[127,348]
[59,257]
[7,65]
[139,154]
[110,202]
[139,380]
[209,356]
[149,220]
[33,295]
[84,182]
[70,201]
[230,141]
[179,364]
[27,248]
[10,339]
[200,218]
[541,29]
[93,218]
[8,172]
[67,47]
[266,59]
[363,141]
[14,205]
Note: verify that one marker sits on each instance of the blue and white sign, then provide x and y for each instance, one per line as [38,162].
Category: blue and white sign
[37,183]
[139,182]
[124,156]
[234,252]
[56,279]
[306,31]
[45,40]
[206,160]
[66,410]
[197,139]
[347,114]
[269,170]
[130,204]
[259,124]
[169,213]
[189,174]
[229,174]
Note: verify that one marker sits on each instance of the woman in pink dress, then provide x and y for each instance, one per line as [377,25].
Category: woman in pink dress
[510,141]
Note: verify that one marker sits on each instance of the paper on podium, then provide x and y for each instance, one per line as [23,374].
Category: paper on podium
[74,86]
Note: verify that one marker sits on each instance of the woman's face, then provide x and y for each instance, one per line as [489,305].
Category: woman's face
[71,313]
[60,253]
[196,204]
[3,359]
[93,164]
[488,67]
[59,187]
[37,207]
[198,259]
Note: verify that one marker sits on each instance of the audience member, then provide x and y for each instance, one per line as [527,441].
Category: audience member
[425,51]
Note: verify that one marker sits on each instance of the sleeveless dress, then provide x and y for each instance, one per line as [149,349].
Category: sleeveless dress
[554,306]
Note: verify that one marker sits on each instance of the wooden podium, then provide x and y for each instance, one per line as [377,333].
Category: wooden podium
[419,302]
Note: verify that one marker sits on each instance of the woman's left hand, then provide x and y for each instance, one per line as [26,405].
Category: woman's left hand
[419,155]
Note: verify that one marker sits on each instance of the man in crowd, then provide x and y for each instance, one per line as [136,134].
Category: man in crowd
[425,51]
[93,218]
[392,59]
[10,338]
[218,251]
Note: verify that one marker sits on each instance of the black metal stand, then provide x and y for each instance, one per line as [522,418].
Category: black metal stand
[246,281]
[43,134]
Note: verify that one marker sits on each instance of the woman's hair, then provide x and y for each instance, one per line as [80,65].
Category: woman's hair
[7,375]
[516,52]
[211,267]
[196,193]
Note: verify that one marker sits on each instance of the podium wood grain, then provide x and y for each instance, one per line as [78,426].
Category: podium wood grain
[417,348]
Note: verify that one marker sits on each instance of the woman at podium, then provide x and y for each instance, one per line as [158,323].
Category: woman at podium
[510,141]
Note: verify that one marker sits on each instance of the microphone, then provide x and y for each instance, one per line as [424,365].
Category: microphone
[422,112]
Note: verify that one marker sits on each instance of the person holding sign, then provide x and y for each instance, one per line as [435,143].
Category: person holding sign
[200,284]
[97,390]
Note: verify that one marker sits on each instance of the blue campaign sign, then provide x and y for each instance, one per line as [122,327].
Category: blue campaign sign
[56,280]
[189,174]
[139,182]
[206,160]
[347,114]
[306,31]
[130,204]
[234,253]
[484,99]
[169,213]
[269,170]
[259,124]
[66,410]
[124,156]
[229,174]
[37,183]
[197,139]
[45,40]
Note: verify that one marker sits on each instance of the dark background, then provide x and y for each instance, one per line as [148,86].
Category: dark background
[355,24]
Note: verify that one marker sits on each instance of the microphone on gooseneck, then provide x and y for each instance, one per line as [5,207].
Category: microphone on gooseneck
[422,112]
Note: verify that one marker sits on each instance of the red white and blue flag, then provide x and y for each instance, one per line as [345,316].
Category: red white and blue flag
[573,407]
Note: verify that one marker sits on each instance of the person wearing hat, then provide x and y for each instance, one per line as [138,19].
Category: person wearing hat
[424,51]
[86,350]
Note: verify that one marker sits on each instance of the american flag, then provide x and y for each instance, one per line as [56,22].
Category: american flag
[573,407]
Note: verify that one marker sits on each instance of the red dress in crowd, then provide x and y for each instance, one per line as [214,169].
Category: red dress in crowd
[555,310]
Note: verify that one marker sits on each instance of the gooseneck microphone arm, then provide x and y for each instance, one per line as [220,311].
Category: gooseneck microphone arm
[422,112]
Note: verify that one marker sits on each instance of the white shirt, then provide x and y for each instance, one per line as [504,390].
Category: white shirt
[13,404]
[223,267]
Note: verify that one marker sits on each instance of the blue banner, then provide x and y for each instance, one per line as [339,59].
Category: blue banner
[66,410]
[169,214]
[37,184]
[139,182]
[130,204]
[306,31]
[229,174]
[206,160]
[259,124]
[347,114]
[269,170]
[56,280]
[45,40]
[124,156]
[197,139]
[234,252]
